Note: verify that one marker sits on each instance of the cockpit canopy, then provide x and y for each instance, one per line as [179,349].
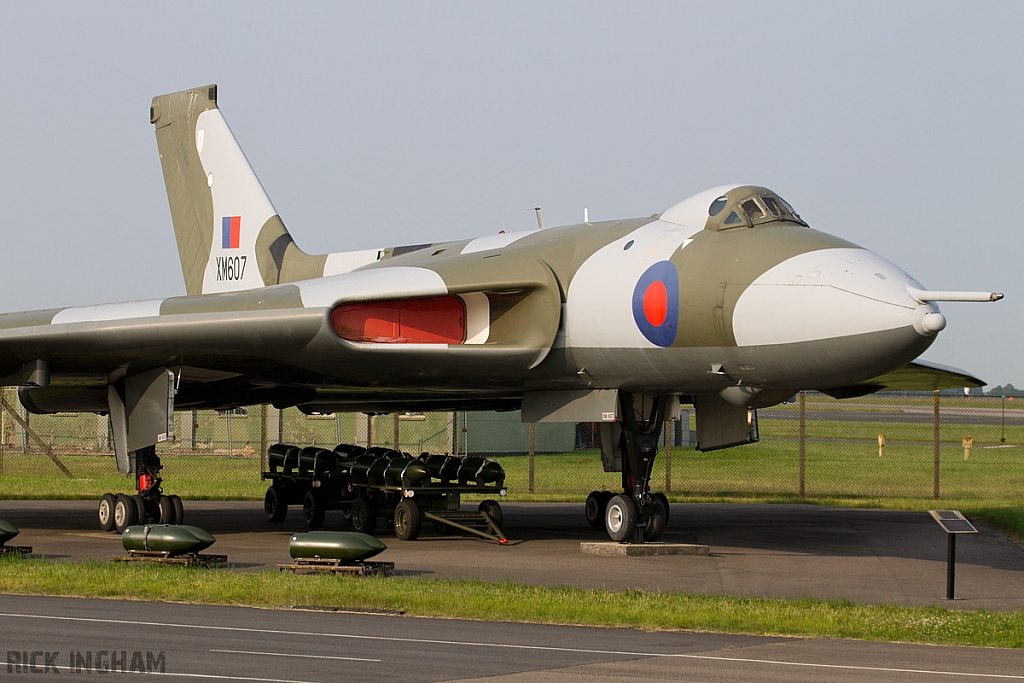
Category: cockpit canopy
[749,206]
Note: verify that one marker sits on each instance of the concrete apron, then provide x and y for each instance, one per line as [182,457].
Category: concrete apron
[785,551]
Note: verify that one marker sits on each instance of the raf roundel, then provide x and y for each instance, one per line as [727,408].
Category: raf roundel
[656,303]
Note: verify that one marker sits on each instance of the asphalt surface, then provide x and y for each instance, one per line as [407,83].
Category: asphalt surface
[69,638]
[901,414]
[787,551]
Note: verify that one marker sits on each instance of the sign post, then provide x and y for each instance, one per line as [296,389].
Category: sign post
[953,523]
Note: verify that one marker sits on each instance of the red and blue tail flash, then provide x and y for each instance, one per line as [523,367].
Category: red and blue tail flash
[231,231]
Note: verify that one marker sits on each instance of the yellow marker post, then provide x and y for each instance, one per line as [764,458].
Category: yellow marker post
[968,442]
[881,445]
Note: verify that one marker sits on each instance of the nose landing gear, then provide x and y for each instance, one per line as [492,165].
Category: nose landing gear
[636,515]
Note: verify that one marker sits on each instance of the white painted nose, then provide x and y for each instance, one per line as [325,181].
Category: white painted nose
[827,294]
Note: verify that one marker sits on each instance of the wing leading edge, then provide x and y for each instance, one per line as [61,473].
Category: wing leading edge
[919,375]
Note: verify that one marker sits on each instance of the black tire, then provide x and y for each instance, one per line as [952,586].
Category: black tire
[594,509]
[658,520]
[620,518]
[275,505]
[141,515]
[664,501]
[364,515]
[313,509]
[407,520]
[125,513]
[346,518]
[179,510]
[106,511]
[493,511]
[166,510]
[442,529]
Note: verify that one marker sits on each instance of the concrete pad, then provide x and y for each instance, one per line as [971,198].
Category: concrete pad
[643,549]
[778,551]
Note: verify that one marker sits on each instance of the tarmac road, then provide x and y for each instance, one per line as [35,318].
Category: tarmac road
[203,643]
[786,551]
[901,414]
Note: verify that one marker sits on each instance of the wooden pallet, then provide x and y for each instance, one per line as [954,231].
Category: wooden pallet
[21,550]
[316,565]
[162,557]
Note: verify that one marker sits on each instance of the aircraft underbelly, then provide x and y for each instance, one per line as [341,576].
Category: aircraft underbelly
[827,362]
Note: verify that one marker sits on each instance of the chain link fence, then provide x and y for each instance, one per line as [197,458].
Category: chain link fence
[883,445]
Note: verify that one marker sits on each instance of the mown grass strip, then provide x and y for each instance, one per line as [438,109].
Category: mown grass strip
[515,602]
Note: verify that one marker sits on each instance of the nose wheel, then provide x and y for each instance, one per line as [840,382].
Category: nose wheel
[636,515]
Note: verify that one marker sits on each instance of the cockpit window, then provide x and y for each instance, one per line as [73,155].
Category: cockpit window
[717,206]
[732,219]
[772,206]
[791,210]
[751,208]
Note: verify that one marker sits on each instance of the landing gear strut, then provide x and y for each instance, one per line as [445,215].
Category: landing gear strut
[149,504]
[636,515]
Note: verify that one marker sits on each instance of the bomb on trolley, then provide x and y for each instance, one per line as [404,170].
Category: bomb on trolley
[373,484]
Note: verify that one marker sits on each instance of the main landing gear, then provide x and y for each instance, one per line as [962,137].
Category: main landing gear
[635,515]
[149,504]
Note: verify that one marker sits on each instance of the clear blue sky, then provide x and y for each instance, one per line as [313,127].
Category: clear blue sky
[894,125]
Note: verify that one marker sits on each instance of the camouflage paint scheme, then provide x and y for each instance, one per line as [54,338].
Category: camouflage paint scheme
[763,303]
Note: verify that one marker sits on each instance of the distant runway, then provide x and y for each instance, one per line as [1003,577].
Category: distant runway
[786,551]
[905,414]
[204,643]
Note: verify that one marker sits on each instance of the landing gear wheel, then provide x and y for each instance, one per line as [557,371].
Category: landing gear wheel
[664,501]
[124,513]
[346,518]
[656,522]
[141,516]
[313,509]
[442,529]
[179,510]
[493,511]
[166,510]
[594,509]
[364,515]
[407,520]
[106,511]
[620,518]
[274,505]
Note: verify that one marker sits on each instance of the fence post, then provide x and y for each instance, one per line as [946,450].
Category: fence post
[803,441]
[3,432]
[195,428]
[396,432]
[530,449]
[263,437]
[227,425]
[935,441]
[23,426]
[669,424]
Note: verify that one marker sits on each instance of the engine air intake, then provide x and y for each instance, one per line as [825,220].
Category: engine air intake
[434,320]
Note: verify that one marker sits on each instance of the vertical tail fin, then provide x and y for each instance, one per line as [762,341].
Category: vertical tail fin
[229,234]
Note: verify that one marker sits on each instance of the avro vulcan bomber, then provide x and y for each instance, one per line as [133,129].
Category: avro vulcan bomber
[727,301]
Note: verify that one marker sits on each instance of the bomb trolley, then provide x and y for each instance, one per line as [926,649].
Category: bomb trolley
[370,484]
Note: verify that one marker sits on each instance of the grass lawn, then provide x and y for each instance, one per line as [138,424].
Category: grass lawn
[514,602]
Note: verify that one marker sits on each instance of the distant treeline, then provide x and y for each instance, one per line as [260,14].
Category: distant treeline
[1008,390]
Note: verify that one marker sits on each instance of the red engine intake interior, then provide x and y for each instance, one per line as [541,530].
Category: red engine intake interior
[435,320]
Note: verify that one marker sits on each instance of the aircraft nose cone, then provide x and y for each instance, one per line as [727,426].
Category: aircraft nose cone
[830,293]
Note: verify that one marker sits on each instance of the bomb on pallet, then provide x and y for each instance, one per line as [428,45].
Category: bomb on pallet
[173,539]
[7,531]
[345,546]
